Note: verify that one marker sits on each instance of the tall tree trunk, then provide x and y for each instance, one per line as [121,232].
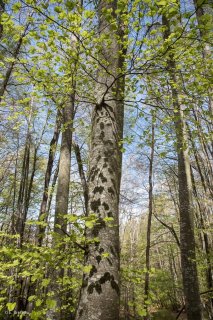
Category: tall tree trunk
[205,241]
[54,181]
[43,215]
[205,7]
[187,237]
[23,191]
[31,180]
[20,218]
[2,8]
[149,222]
[62,195]
[82,176]
[12,64]
[99,297]
[13,220]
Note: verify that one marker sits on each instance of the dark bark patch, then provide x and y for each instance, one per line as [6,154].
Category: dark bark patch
[109,142]
[109,214]
[85,282]
[102,135]
[101,250]
[108,153]
[106,206]
[103,179]
[98,287]
[90,288]
[112,250]
[102,126]
[111,191]
[95,205]
[93,173]
[99,189]
[101,223]
[109,261]
[113,181]
[97,284]
[106,159]
[98,158]
[106,277]
[98,226]
[98,258]
[115,286]
[92,271]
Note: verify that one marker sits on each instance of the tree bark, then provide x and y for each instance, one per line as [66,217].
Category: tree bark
[99,299]
[205,242]
[82,176]
[62,193]
[62,197]
[187,237]
[149,222]
[20,217]
[202,8]
[2,8]
[11,66]
[43,215]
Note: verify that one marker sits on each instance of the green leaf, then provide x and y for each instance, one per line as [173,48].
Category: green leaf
[58,9]
[72,218]
[89,224]
[38,302]
[141,312]
[45,282]
[105,254]
[89,14]
[70,5]
[11,306]
[162,2]
[31,298]
[87,269]
[51,304]
[16,7]
[108,219]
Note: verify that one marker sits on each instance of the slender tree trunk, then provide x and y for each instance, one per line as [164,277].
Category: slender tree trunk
[13,220]
[187,237]
[20,217]
[205,7]
[54,181]
[23,189]
[62,193]
[205,241]
[149,222]
[62,196]
[208,172]
[99,299]
[2,8]
[11,66]
[82,176]
[31,180]
[43,215]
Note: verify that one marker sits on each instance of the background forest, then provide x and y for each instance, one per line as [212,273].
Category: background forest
[106,177]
